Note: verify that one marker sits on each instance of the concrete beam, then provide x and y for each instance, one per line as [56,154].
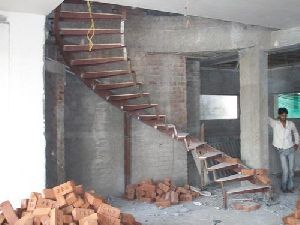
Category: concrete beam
[254,107]
[285,38]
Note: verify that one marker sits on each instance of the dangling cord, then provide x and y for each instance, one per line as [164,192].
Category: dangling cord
[91,32]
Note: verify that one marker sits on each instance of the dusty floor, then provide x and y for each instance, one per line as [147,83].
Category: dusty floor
[210,211]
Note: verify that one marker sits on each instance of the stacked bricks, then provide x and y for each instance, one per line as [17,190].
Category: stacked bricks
[163,193]
[66,204]
[293,218]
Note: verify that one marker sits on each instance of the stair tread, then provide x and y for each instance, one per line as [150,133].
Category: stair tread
[83,31]
[102,74]
[194,145]
[233,177]
[65,15]
[126,96]
[94,61]
[99,86]
[222,165]
[250,187]
[138,107]
[210,155]
[85,47]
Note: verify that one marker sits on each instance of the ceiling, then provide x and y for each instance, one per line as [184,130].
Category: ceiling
[42,7]
[269,13]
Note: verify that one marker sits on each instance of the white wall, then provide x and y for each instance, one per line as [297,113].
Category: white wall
[22,141]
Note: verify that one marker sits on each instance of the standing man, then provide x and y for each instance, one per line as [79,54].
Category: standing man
[283,143]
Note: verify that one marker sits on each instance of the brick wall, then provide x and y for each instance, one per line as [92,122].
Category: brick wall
[164,76]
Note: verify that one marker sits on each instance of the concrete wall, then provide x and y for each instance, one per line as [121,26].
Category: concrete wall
[93,139]
[21,96]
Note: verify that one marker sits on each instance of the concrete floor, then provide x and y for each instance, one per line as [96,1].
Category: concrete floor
[210,211]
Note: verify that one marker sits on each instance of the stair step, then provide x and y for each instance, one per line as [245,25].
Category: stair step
[182,135]
[223,166]
[95,61]
[210,155]
[103,74]
[83,32]
[252,188]
[235,177]
[195,145]
[126,96]
[151,117]
[101,86]
[138,107]
[68,15]
[77,48]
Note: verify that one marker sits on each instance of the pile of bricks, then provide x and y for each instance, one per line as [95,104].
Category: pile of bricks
[294,218]
[66,204]
[164,193]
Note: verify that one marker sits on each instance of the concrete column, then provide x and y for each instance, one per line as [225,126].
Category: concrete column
[254,107]
[193,96]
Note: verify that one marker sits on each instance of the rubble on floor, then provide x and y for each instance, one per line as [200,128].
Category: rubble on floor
[293,218]
[164,193]
[64,204]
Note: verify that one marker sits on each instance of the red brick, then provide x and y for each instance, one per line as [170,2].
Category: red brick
[109,210]
[185,197]
[182,190]
[71,198]
[167,181]
[163,203]
[32,201]
[94,199]
[46,203]
[8,212]
[78,203]
[26,220]
[261,172]
[64,188]
[61,201]
[91,218]
[41,212]
[78,213]
[67,219]
[48,194]
[45,220]
[79,190]
[2,218]
[293,221]
[147,200]
[107,220]
[264,179]
[174,197]
[56,217]
[163,187]
[247,206]
[68,209]
[297,213]
[24,203]
[37,221]
[127,219]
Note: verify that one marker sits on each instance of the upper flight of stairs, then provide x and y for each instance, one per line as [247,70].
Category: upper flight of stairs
[111,76]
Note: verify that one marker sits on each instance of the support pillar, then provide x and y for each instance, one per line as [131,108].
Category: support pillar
[254,107]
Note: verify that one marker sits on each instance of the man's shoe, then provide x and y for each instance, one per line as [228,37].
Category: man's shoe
[284,190]
[291,190]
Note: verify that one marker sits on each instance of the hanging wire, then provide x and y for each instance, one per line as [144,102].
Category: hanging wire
[91,32]
[188,22]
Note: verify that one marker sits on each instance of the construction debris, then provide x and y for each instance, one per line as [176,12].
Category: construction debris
[293,218]
[163,193]
[67,203]
[246,206]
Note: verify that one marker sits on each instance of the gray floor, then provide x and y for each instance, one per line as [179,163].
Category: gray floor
[210,211]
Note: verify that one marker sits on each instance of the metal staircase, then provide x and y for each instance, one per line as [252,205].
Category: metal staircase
[108,71]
